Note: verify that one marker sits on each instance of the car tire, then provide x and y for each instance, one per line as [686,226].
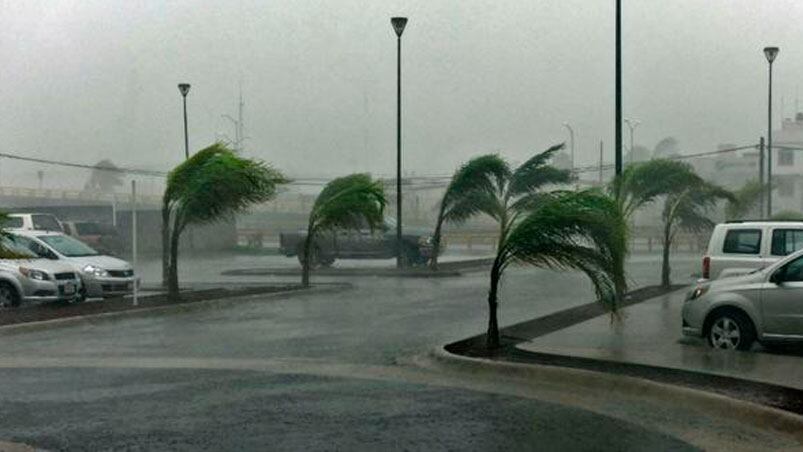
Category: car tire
[9,298]
[731,330]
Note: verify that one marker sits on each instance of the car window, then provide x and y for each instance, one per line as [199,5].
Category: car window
[68,246]
[13,222]
[45,223]
[13,248]
[786,241]
[31,246]
[742,241]
[793,271]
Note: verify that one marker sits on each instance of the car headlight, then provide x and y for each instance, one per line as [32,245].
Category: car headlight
[698,292]
[38,275]
[94,270]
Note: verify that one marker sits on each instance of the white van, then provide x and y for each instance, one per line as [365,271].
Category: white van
[739,247]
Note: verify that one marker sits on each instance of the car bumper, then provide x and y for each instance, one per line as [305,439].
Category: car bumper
[48,291]
[693,315]
[110,286]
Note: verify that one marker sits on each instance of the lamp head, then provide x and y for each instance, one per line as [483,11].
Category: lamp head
[398,24]
[184,88]
[771,53]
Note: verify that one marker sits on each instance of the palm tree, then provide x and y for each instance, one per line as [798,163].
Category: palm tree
[687,208]
[488,185]
[687,199]
[213,184]
[746,200]
[582,231]
[344,203]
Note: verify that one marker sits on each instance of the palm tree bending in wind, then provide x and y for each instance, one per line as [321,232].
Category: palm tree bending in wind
[558,230]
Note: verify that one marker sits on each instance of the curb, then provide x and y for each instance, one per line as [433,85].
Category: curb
[744,411]
[157,310]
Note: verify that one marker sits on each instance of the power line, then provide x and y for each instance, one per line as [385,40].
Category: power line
[424,180]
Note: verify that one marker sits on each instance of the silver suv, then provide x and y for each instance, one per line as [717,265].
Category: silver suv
[764,305]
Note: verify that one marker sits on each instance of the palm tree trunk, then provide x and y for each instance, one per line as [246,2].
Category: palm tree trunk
[436,245]
[305,266]
[172,285]
[492,336]
[165,243]
[665,282]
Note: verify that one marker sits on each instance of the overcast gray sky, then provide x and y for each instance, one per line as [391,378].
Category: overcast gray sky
[88,79]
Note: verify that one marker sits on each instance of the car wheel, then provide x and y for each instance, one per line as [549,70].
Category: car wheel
[731,331]
[9,298]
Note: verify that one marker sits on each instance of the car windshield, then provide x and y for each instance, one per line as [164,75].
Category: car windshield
[68,246]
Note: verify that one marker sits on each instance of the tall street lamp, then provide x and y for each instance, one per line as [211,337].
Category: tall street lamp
[770,53]
[184,88]
[571,143]
[618,121]
[398,26]
[631,124]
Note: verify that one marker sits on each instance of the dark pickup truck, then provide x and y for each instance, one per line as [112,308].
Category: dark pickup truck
[380,243]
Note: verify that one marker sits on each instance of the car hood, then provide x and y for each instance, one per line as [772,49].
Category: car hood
[102,261]
[48,265]
[732,282]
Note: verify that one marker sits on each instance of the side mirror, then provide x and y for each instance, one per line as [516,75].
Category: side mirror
[779,276]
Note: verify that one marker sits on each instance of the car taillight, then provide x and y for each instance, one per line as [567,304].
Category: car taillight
[707,267]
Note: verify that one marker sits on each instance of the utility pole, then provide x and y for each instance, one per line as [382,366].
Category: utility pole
[601,149]
[761,175]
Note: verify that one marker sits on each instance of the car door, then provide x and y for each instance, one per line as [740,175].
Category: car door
[782,301]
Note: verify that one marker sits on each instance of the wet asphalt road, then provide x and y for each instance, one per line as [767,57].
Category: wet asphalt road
[188,381]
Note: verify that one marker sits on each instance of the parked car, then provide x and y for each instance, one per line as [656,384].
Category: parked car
[364,243]
[33,221]
[739,247]
[101,236]
[102,276]
[27,278]
[764,305]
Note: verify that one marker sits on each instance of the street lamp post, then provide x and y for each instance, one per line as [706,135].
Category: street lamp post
[631,124]
[571,143]
[770,53]
[398,26]
[618,135]
[184,88]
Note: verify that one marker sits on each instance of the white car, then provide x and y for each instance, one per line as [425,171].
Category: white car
[102,276]
[739,247]
[27,278]
[33,222]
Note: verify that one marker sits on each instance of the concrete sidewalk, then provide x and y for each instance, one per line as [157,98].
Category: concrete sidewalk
[650,334]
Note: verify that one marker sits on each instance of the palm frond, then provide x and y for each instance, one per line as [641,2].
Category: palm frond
[215,183]
[643,183]
[574,230]
[536,173]
[348,203]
